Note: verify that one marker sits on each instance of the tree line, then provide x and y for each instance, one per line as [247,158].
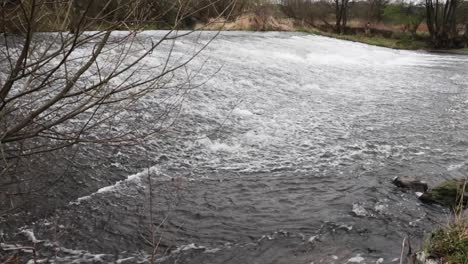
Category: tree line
[446,20]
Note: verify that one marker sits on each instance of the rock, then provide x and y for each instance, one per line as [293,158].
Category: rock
[163,158]
[411,183]
[423,258]
[448,193]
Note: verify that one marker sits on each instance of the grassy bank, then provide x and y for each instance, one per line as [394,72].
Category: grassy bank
[252,22]
[450,244]
[405,42]
[452,51]
[398,39]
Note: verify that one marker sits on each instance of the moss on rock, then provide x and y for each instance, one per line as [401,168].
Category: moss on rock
[448,193]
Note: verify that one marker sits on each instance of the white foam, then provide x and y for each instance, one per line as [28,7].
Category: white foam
[119,261]
[30,235]
[347,227]
[242,112]
[191,246]
[456,166]
[213,250]
[359,210]
[10,247]
[120,184]
[356,259]
[380,207]
[217,146]
[415,222]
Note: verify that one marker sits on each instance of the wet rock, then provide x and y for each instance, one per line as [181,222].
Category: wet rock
[163,158]
[411,183]
[423,258]
[449,193]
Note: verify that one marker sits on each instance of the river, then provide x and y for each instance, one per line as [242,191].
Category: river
[285,155]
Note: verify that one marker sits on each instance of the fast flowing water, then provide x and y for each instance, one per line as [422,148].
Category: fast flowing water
[286,155]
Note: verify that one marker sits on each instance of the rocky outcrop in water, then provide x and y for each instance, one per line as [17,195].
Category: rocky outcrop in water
[451,193]
[411,183]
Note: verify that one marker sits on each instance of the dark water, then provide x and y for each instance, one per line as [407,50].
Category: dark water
[284,156]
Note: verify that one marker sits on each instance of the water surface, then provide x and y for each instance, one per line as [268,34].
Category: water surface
[285,155]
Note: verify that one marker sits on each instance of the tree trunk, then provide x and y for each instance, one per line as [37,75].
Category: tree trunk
[338,16]
[466,32]
[441,22]
[341,11]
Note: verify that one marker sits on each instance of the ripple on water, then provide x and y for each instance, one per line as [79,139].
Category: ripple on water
[298,133]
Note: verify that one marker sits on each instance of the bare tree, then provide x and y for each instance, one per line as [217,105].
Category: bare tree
[441,22]
[263,14]
[377,9]
[462,19]
[409,15]
[75,85]
[341,15]
[308,12]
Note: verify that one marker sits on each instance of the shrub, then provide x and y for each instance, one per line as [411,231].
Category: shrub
[450,244]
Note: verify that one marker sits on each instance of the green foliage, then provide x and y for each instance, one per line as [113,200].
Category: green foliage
[450,193]
[450,244]
[446,189]
[404,14]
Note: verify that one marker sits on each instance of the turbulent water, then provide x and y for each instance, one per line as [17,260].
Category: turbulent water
[285,155]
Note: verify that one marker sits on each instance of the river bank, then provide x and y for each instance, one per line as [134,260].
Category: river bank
[405,43]
[447,243]
[388,38]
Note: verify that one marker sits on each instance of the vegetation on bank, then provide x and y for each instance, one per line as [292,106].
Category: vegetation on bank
[449,244]
[403,25]
[405,41]
[398,40]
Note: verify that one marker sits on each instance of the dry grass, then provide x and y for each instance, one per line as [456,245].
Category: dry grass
[250,22]
[450,243]
[406,42]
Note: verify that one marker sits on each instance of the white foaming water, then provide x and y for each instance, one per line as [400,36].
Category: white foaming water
[302,90]
[359,210]
[216,146]
[242,112]
[453,167]
[307,125]
[120,185]
[356,259]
